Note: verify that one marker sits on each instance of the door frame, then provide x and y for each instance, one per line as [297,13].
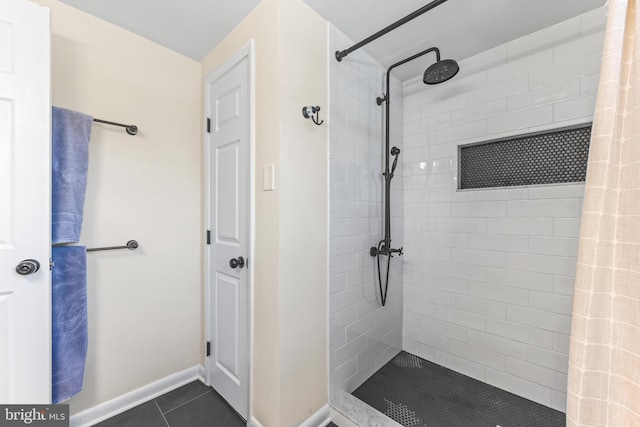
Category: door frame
[247,52]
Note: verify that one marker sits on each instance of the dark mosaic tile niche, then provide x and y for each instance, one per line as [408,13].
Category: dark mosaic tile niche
[551,157]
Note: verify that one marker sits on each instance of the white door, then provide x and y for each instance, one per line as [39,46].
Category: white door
[25,124]
[228,154]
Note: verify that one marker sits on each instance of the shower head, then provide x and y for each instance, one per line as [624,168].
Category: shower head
[440,72]
[395,151]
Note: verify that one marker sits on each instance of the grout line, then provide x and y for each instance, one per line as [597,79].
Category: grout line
[163,417]
[188,401]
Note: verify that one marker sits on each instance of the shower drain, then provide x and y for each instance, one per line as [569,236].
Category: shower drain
[403,415]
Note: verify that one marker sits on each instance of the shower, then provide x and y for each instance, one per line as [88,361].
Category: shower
[438,72]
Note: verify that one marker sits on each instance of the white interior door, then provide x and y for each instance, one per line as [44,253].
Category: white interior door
[25,128]
[228,100]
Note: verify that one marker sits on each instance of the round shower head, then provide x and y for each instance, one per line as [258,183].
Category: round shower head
[440,72]
[395,151]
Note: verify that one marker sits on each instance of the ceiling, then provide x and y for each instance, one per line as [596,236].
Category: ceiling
[460,28]
[189,27]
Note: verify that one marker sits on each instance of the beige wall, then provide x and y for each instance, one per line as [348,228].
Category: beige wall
[289,379]
[261,26]
[143,325]
[303,213]
[144,317]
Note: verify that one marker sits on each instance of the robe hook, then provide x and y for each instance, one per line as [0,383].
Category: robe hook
[308,113]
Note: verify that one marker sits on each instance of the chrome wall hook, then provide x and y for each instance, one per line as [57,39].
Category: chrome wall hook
[308,113]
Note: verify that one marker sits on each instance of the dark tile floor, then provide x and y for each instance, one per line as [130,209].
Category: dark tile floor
[192,405]
[418,393]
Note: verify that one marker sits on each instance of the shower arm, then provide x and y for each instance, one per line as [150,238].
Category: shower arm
[386,249]
[384,98]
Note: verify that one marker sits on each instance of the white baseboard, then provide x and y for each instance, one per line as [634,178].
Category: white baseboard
[116,406]
[201,374]
[320,419]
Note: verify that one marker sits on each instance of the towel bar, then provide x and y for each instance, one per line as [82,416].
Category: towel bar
[131,245]
[131,129]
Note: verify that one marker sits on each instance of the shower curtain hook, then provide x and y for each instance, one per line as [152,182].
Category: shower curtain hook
[308,113]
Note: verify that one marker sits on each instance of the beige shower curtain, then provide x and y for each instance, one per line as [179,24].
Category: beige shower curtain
[604,360]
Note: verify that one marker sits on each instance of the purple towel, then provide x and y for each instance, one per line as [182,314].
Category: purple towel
[71,132]
[69,320]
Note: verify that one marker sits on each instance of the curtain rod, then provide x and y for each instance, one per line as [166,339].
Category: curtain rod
[131,129]
[342,53]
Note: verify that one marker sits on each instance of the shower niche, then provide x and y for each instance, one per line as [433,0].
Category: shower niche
[557,156]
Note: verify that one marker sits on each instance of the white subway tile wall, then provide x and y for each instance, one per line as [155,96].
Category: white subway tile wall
[363,335]
[488,274]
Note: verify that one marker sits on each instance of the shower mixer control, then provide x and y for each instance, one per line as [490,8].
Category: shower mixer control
[384,251]
[397,251]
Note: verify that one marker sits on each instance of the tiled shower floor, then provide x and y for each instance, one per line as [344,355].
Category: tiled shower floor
[418,393]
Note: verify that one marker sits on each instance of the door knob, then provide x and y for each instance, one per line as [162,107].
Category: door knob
[27,266]
[236,262]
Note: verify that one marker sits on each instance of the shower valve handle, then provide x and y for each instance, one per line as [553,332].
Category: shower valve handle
[398,251]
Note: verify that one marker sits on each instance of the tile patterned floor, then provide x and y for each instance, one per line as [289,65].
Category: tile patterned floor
[192,405]
[417,393]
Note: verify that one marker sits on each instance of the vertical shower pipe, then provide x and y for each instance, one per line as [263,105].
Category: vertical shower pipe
[439,72]
[386,249]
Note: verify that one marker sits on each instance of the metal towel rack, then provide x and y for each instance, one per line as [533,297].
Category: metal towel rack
[131,129]
[131,245]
